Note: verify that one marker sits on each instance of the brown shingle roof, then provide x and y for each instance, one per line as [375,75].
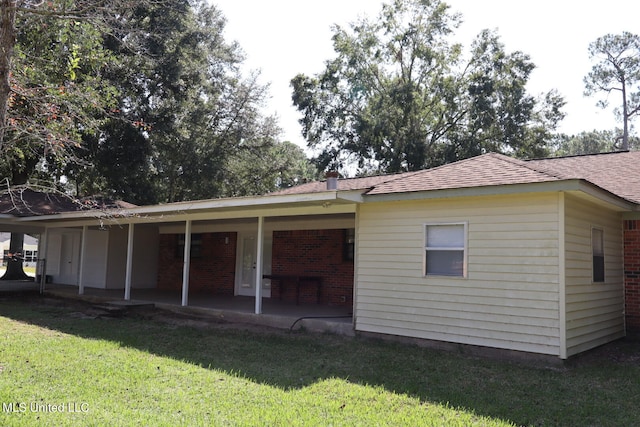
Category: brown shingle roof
[23,201]
[345,184]
[618,173]
[485,170]
[27,202]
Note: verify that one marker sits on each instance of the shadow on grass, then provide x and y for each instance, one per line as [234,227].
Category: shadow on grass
[601,388]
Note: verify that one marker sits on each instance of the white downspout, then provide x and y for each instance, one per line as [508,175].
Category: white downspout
[186,264]
[83,250]
[127,280]
[259,243]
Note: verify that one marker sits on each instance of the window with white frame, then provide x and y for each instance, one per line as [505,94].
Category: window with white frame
[445,247]
[597,251]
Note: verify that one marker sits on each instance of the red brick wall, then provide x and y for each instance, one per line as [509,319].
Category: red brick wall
[212,272]
[632,273]
[313,253]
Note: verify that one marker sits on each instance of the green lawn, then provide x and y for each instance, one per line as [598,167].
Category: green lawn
[58,367]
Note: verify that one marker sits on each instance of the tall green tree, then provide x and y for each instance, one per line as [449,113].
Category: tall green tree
[496,111]
[52,86]
[186,109]
[596,141]
[617,70]
[51,60]
[55,91]
[387,95]
[399,95]
[258,172]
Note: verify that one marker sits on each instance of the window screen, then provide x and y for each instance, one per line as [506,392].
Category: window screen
[445,250]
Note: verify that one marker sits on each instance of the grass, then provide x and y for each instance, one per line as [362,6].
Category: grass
[138,371]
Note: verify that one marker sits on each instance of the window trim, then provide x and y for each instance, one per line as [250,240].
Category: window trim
[196,245]
[464,249]
[601,256]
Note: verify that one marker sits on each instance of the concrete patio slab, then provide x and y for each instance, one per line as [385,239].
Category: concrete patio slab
[276,314]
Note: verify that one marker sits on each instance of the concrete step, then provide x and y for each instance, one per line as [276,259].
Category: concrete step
[119,308]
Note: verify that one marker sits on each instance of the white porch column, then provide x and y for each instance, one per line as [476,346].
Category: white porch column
[83,249]
[129,270]
[259,244]
[186,264]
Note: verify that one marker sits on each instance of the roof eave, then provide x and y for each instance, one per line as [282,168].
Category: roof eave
[336,197]
[506,189]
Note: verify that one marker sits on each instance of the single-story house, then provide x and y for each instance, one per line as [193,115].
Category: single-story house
[538,256]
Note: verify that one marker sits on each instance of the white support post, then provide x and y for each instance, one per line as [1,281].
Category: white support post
[186,264]
[128,274]
[259,244]
[83,249]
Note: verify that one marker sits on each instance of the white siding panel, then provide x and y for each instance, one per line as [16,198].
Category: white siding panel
[450,286]
[542,345]
[486,313]
[509,298]
[594,310]
[590,304]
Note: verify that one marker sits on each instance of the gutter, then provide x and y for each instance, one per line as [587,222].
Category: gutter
[506,189]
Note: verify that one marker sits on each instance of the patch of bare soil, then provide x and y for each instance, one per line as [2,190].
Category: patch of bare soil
[623,351]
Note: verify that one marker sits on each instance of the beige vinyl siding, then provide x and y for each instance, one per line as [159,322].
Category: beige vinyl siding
[509,298]
[594,310]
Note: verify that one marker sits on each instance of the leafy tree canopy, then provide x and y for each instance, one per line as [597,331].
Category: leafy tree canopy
[400,96]
[593,142]
[250,174]
[139,100]
[52,66]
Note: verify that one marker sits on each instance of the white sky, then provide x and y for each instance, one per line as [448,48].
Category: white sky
[285,37]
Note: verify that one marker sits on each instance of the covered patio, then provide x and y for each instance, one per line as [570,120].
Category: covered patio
[270,259]
[238,309]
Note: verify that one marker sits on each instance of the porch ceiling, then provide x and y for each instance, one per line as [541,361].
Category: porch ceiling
[9,225]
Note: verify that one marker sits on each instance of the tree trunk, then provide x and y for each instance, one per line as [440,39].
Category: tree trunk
[7,41]
[15,261]
[625,117]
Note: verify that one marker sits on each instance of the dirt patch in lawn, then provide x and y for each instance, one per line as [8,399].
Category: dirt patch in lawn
[623,351]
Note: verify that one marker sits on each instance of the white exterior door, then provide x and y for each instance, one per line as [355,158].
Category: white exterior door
[247,263]
[69,258]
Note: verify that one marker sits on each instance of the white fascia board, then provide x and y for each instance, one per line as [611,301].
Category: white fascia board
[351,196]
[196,206]
[536,187]
[237,202]
[608,197]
